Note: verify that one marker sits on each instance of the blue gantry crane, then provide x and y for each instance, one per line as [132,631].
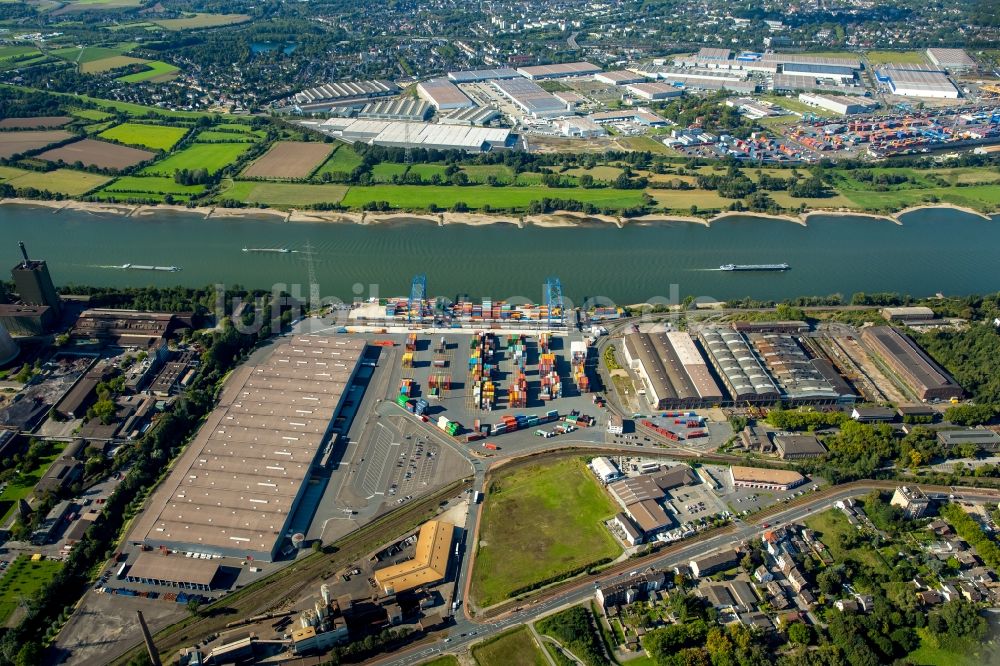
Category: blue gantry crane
[554,300]
[417,306]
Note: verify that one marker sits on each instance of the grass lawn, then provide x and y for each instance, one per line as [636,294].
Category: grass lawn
[157,137]
[22,581]
[210,136]
[976,196]
[153,184]
[9,173]
[538,522]
[786,200]
[91,114]
[477,196]
[682,200]
[931,654]
[343,160]
[64,181]
[645,143]
[108,64]
[383,172]
[90,53]
[283,195]
[513,647]
[427,171]
[478,173]
[896,57]
[20,487]
[212,157]
[832,522]
[602,173]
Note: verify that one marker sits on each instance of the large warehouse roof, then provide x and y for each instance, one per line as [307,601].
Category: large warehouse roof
[926,378]
[475,75]
[235,487]
[443,94]
[951,58]
[429,563]
[804,59]
[530,97]
[694,364]
[737,363]
[427,135]
[342,90]
[561,69]
[794,371]
[931,81]
[174,569]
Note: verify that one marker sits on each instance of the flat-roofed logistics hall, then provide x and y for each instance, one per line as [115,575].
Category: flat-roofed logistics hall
[235,490]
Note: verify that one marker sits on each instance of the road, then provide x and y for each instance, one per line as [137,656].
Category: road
[466,631]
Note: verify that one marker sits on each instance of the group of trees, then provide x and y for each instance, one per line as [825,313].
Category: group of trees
[574,628]
[795,419]
[972,356]
[967,528]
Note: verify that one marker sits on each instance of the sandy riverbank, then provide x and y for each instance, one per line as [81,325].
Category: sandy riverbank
[555,219]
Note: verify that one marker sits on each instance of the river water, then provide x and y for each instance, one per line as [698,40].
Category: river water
[938,250]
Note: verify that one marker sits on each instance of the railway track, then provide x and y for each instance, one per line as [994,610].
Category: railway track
[285,586]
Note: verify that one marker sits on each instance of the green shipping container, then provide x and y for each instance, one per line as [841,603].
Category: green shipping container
[401,400]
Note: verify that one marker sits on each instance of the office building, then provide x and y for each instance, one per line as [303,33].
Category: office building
[911,500]
[429,564]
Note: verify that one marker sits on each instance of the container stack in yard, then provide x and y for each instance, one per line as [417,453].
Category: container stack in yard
[450,427]
[481,364]
[515,347]
[551,384]
[406,387]
[411,342]
[544,342]
[517,394]
[407,359]
[578,361]
[510,423]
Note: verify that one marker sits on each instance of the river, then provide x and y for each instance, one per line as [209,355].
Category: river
[939,250]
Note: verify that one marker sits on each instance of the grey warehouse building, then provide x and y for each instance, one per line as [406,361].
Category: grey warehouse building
[740,369]
[239,483]
[672,370]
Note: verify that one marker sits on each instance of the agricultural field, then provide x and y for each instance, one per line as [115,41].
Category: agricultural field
[516,646]
[153,185]
[9,173]
[156,137]
[92,114]
[157,72]
[385,171]
[421,197]
[38,122]
[61,181]
[199,21]
[101,154]
[343,160]
[212,157]
[212,136]
[292,160]
[283,195]
[14,143]
[83,54]
[896,58]
[108,64]
[540,522]
[606,174]
[22,580]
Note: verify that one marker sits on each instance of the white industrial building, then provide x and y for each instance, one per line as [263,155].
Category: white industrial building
[530,98]
[477,75]
[560,70]
[443,94]
[953,60]
[842,104]
[605,470]
[919,83]
[584,128]
[654,91]
[417,135]
[342,93]
[619,77]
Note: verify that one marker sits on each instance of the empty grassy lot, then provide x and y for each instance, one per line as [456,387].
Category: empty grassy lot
[61,181]
[832,526]
[157,71]
[479,173]
[980,197]
[540,521]
[212,157]
[91,114]
[896,57]
[682,200]
[110,63]
[283,195]
[384,172]
[513,647]
[289,159]
[152,184]
[211,136]
[22,581]
[157,137]
[20,486]
[421,197]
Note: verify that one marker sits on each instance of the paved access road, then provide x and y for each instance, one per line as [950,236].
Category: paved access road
[467,631]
